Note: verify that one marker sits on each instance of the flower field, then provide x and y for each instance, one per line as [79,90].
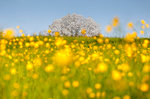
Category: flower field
[46,67]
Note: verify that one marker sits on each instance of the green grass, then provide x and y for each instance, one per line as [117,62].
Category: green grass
[50,85]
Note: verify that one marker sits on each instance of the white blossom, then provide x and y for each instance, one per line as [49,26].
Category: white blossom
[71,25]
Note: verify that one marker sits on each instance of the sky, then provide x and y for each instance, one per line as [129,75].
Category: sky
[36,15]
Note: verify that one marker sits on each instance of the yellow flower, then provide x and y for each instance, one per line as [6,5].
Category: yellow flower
[130,25]
[144,58]
[92,95]
[49,31]
[77,63]
[37,62]
[100,40]
[116,97]
[65,92]
[108,28]
[106,40]
[130,37]
[146,41]
[102,67]
[89,90]
[75,84]
[8,33]
[27,44]
[146,68]
[13,71]
[98,94]
[60,42]
[56,34]
[143,27]
[22,35]
[35,76]
[142,21]
[83,31]
[45,39]
[144,87]
[16,85]
[103,94]
[97,86]
[147,25]
[101,36]
[126,97]
[142,32]
[134,34]
[130,74]
[67,84]
[117,52]
[31,38]
[18,27]
[49,68]
[116,75]
[29,66]
[62,57]
[115,21]
[125,67]
[146,78]
[20,31]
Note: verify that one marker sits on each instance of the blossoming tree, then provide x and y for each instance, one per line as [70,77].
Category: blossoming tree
[72,25]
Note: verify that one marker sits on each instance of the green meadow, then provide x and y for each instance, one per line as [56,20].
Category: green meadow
[46,67]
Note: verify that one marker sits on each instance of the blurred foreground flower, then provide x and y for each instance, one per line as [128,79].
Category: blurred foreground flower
[18,27]
[49,68]
[20,31]
[108,28]
[102,67]
[144,87]
[60,42]
[63,57]
[130,25]
[142,21]
[8,33]
[115,21]
[130,37]
[116,75]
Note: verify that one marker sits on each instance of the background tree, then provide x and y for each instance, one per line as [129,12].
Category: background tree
[71,25]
